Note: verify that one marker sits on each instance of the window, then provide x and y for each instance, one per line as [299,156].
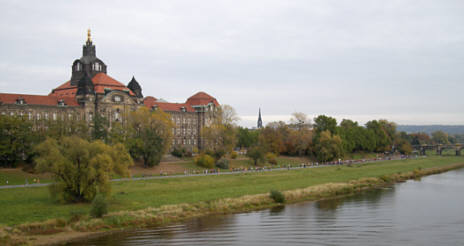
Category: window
[3,113]
[90,116]
[70,116]
[194,131]
[116,116]
[29,115]
[38,116]
[194,141]
[117,98]
[46,116]
[183,131]
[54,116]
[78,66]
[11,113]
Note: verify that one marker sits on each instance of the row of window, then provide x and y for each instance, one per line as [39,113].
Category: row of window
[45,115]
[184,131]
[95,66]
[184,141]
[188,121]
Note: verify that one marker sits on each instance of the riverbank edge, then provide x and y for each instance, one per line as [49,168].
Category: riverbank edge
[59,231]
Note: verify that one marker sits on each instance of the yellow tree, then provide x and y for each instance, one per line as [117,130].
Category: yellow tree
[220,136]
[81,169]
[150,135]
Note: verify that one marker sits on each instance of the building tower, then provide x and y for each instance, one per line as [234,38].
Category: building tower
[260,121]
[88,64]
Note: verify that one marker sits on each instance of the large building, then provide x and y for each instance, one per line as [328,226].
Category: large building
[91,91]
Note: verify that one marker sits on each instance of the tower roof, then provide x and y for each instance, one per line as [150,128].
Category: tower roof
[201,98]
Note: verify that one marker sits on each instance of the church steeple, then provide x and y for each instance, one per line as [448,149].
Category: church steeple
[260,121]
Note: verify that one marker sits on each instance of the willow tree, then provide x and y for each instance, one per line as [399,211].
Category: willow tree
[81,169]
[149,135]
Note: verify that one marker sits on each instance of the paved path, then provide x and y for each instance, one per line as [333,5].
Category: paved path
[226,172]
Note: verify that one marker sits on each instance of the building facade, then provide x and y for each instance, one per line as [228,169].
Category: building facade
[90,91]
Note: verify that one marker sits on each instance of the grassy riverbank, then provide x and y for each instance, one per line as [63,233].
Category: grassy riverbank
[138,203]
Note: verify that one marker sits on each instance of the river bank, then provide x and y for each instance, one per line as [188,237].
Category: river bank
[320,184]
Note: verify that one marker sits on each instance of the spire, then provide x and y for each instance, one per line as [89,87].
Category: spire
[89,38]
[260,121]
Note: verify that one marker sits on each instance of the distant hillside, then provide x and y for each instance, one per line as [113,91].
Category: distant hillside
[455,129]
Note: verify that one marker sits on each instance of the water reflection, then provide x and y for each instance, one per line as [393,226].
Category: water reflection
[428,212]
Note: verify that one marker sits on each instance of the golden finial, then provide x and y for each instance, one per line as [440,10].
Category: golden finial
[89,39]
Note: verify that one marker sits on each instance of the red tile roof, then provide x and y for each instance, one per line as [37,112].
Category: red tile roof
[165,106]
[100,81]
[201,98]
[50,100]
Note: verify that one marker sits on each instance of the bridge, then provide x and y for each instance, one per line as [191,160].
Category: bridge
[439,148]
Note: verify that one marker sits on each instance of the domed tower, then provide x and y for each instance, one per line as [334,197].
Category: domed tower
[88,64]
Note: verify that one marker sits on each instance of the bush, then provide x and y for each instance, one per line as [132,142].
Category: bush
[204,160]
[271,158]
[181,152]
[99,206]
[223,164]
[277,196]
[233,155]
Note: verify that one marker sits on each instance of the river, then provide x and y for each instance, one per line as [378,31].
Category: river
[425,212]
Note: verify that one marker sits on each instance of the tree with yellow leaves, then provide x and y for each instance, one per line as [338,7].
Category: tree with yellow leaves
[81,169]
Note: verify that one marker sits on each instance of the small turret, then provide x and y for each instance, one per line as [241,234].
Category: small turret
[135,87]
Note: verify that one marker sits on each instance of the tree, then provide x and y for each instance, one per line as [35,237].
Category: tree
[272,137]
[325,123]
[328,147]
[16,140]
[257,154]
[440,137]
[300,121]
[81,169]
[100,127]
[150,135]
[383,131]
[220,136]
[246,138]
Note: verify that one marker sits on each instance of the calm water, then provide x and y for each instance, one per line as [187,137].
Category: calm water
[426,212]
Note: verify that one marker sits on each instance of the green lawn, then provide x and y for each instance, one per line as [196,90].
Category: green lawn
[18,177]
[33,204]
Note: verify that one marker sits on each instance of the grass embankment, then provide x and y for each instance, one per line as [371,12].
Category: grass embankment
[16,176]
[155,202]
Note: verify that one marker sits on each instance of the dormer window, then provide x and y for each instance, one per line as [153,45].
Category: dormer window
[20,101]
[155,107]
[78,67]
[61,102]
[183,110]
[97,66]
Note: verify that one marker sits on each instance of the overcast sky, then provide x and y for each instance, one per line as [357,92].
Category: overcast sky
[400,60]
